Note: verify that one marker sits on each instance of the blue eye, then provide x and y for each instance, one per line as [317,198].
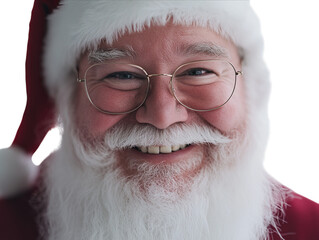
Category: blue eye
[197,72]
[122,75]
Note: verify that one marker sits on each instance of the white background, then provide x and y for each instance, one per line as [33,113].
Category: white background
[291,52]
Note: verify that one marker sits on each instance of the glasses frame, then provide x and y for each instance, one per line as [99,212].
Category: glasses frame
[148,76]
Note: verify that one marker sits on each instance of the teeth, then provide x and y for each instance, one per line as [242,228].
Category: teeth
[165,149]
[161,149]
[175,148]
[153,149]
[143,149]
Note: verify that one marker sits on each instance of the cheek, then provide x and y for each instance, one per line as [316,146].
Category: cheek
[88,117]
[225,119]
[232,115]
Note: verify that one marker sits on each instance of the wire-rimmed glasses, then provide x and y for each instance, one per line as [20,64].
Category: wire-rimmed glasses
[120,88]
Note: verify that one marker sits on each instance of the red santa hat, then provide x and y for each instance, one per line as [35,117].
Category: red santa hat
[61,30]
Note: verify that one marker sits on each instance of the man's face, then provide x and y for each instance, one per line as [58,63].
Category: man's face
[162,50]
[191,193]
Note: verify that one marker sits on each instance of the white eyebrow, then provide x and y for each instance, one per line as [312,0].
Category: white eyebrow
[206,48]
[108,54]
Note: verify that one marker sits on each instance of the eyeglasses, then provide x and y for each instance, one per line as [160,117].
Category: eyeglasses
[120,88]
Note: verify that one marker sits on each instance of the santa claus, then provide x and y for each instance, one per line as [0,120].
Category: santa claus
[163,108]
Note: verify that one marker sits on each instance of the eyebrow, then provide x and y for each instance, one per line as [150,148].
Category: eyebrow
[206,48]
[100,55]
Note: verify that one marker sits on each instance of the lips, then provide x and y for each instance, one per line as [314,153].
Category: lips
[161,149]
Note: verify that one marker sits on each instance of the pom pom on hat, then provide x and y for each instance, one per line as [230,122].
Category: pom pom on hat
[17,172]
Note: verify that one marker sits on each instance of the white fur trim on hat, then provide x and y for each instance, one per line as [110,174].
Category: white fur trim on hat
[17,172]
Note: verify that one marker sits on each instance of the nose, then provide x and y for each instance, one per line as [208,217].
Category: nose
[161,109]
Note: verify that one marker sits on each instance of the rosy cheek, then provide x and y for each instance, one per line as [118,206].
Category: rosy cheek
[222,119]
[88,117]
[229,117]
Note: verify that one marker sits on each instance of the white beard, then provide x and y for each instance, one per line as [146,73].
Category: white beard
[88,197]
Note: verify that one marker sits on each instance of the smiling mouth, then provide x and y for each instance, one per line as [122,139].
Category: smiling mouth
[161,149]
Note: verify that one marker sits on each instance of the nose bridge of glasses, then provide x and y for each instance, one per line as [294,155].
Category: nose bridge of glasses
[160,74]
[165,75]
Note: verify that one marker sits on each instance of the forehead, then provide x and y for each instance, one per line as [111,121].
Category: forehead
[171,43]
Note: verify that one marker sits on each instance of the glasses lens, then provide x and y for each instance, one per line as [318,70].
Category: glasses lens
[116,88]
[204,85]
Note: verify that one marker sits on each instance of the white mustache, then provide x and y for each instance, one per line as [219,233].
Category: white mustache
[132,135]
